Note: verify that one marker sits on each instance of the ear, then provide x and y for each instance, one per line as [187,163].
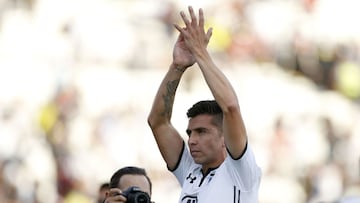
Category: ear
[107,194]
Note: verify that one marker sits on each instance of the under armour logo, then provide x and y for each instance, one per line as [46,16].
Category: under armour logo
[191,178]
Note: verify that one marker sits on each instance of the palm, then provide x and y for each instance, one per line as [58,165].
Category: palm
[182,55]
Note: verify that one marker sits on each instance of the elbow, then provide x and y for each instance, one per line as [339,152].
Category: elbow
[231,107]
[151,121]
[155,121]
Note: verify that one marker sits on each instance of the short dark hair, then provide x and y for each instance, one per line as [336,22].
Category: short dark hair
[128,170]
[210,107]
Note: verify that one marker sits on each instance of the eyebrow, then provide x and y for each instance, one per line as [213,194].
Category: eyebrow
[199,129]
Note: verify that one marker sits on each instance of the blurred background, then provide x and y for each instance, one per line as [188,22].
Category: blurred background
[77,80]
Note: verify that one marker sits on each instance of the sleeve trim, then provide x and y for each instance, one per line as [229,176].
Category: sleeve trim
[241,155]
[179,159]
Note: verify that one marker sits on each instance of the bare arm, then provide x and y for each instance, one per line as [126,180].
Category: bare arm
[233,125]
[167,137]
[223,92]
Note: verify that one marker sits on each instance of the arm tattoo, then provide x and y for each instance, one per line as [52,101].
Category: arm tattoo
[168,98]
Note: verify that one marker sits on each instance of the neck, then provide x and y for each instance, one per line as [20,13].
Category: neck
[208,167]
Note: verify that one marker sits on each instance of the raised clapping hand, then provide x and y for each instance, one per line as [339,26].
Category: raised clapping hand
[192,39]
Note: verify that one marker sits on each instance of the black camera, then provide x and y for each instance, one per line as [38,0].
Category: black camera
[135,195]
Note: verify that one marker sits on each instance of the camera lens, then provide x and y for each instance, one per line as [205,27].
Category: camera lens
[135,195]
[142,198]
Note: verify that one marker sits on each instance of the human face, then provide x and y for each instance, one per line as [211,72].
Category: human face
[205,142]
[130,180]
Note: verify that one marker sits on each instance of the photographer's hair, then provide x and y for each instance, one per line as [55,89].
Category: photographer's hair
[210,107]
[129,170]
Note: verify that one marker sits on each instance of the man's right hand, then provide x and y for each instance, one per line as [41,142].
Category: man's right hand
[193,36]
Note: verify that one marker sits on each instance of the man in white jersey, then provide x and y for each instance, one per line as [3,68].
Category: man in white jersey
[218,165]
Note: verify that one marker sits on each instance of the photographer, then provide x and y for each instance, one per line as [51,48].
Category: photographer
[129,185]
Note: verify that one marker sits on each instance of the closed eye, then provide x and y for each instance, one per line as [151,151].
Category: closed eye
[188,132]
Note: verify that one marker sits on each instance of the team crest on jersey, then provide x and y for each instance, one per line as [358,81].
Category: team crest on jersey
[189,199]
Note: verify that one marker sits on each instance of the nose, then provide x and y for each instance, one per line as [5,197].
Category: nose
[192,139]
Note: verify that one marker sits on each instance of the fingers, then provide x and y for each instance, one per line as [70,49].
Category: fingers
[209,34]
[177,27]
[193,17]
[114,191]
[186,21]
[201,18]
[115,196]
[193,26]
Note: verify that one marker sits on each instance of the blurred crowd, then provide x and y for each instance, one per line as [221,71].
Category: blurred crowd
[77,79]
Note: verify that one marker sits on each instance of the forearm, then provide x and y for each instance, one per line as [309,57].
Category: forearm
[217,82]
[161,110]
[167,138]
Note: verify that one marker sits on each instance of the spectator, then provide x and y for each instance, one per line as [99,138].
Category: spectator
[124,179]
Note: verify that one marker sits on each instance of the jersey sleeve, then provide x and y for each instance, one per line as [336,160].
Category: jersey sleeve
[244,170]
[184,164]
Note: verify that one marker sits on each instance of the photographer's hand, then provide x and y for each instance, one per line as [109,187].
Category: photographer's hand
[114,196]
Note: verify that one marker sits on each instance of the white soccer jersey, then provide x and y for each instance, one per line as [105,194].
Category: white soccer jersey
[234,181]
